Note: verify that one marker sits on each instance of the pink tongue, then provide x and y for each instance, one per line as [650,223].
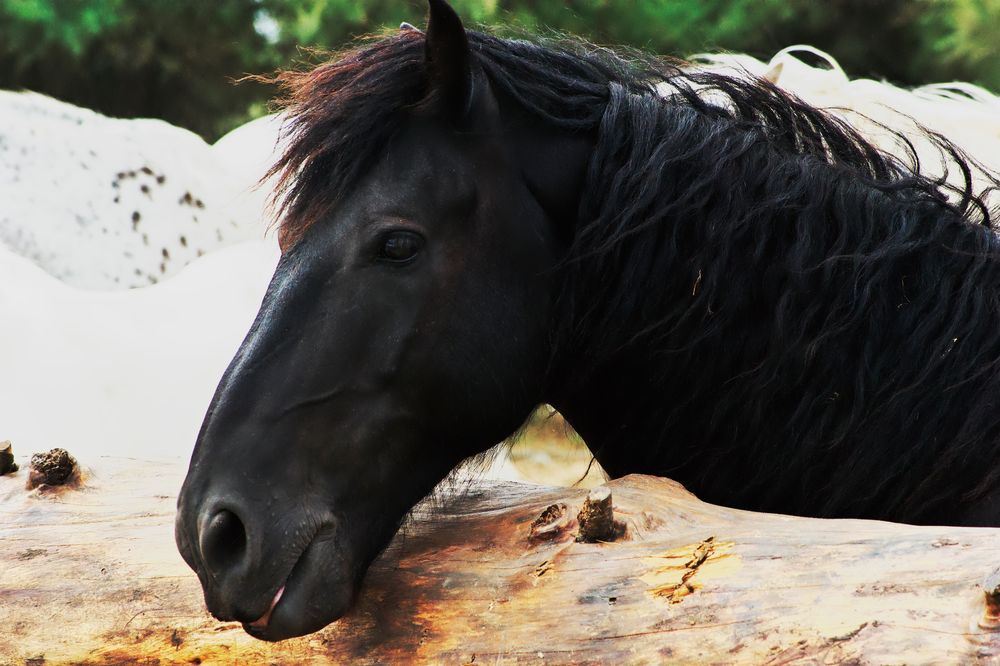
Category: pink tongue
[262,621]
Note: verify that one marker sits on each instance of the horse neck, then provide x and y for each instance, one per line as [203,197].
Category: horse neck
[553,163]
[719,345]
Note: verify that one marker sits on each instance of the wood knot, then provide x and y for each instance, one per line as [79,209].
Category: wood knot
[550,524]
[597,518]
[52,468]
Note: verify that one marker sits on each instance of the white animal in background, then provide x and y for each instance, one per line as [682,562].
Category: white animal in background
[90,206]
[249,151]
[104,203]
[128,372]
[966,114]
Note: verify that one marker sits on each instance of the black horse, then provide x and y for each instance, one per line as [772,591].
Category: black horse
[710,279]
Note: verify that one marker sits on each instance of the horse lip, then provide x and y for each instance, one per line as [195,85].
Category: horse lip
[258,628]
[263,620]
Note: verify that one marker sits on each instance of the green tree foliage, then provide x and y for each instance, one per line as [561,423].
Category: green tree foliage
[177,59]
[170,59]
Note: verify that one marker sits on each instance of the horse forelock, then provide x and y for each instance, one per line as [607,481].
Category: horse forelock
[339,117]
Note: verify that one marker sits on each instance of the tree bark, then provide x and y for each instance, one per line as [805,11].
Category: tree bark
[92,576]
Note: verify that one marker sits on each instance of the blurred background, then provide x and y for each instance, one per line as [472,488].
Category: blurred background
[178,59]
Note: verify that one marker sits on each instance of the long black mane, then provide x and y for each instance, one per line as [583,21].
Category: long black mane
[814,322]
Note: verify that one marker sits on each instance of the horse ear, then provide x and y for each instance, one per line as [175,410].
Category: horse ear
[449,59]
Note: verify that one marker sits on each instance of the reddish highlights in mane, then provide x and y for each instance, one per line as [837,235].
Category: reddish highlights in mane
[340,117]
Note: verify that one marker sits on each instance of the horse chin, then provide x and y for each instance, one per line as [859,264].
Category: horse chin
[320,590]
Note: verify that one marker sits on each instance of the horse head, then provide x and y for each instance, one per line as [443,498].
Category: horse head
[404,330]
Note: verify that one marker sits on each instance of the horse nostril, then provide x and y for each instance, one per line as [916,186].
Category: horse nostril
[223,541]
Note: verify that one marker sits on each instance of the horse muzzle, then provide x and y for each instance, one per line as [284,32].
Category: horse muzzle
[280,580]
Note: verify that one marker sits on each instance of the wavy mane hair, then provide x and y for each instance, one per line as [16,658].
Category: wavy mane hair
[796,299]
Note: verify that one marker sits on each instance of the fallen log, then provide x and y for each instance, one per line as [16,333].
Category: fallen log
[92,576]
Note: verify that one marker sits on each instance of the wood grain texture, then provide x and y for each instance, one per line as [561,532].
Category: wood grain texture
[92,576]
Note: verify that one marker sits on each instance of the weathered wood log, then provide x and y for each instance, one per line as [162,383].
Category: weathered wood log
[92,576]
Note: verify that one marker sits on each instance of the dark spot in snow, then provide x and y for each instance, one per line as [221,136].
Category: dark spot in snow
[146,170]
[160,180]
[145,239]
[184,241]
[165,253]
[145,189]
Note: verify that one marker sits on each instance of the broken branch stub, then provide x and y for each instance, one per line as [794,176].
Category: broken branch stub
[991,589]
[7,464]
[597,517]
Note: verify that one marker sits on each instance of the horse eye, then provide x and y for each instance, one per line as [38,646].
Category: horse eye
[400,246]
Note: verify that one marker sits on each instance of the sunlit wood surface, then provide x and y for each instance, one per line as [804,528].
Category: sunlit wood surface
[92,576]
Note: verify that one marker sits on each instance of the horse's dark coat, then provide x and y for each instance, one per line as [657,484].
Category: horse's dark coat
[725,286]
